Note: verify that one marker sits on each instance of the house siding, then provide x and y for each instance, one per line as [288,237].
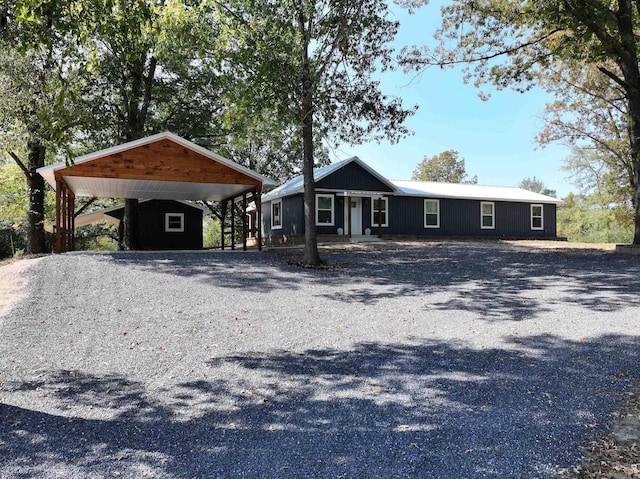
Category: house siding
[462,218]
[292,217]
[352,177]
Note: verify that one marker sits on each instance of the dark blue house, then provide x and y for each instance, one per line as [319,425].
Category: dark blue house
[353,200]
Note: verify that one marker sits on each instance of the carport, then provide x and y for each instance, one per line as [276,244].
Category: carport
[163,166]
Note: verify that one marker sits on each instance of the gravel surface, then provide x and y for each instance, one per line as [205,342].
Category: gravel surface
[432,361]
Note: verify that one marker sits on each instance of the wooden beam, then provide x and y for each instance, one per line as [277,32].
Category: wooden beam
[224,217]
[162,161]
[233,224]
[244,221]
[258,202]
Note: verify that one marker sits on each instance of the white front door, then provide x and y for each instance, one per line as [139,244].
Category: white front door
[356,216]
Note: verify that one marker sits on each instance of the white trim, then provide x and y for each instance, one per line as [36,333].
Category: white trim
[385,211]
[333,208]
[424,213]
[541,216]
[168,228]
[273,203]
[492,215]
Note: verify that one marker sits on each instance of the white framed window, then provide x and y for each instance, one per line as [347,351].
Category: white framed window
[174,222]
[487,215]
[324,210]
[537,217]
[276,214]
[380,207]
[432,213]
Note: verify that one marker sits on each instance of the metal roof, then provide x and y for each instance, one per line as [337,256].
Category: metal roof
[152,189]
[420,188]
[465,191]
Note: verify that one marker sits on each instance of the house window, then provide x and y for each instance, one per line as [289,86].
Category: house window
[324,210]
[276,215]
[380,209]
[487,215]
[174,222]
[432,213]
[537,222]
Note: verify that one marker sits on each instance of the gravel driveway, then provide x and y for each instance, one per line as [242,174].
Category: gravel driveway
[451,361]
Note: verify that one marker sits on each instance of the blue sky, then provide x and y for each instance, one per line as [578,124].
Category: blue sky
[495,137]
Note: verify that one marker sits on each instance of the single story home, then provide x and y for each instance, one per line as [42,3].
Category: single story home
[352,199]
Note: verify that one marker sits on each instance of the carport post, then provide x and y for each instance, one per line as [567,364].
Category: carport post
[222,221]
[244,221]
[233,223]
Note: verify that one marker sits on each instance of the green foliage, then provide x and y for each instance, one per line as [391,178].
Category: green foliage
[101,236]
[583,219]
[537,186]
[444,167]
[211,234]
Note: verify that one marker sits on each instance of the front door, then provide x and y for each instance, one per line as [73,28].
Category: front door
[356,216]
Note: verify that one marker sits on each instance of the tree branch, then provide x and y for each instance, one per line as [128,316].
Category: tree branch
[24,169]
[614,77]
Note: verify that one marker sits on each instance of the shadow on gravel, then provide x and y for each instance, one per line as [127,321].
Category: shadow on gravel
[250,271]
[427,409]
[496,283]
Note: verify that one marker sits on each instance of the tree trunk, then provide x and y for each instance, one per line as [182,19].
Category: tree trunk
[36,243]
[137,111]
[129,240]
[628,62]
[311,255]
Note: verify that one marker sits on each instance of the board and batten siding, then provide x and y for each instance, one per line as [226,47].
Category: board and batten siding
[152,233]
[462,218]
[352,177]
[292,217]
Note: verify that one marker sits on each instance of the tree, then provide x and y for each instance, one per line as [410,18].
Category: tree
[40,104]
[444,167]
[510,44]
[150,75]
[314,60]
[537,186]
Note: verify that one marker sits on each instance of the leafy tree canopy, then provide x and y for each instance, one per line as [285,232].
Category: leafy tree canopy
[537,186]
[444,167]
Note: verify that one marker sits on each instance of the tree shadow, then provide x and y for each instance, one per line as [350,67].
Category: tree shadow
[495,283]
[249,271]
[423,409]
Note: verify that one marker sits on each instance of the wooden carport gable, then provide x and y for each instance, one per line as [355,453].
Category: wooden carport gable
[163,166]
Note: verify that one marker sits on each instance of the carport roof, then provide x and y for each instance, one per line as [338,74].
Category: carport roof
[161,166]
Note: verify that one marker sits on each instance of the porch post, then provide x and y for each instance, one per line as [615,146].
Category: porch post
[379,217]
[348,205]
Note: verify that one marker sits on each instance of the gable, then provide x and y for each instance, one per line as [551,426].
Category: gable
[352,176]
[164,160]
